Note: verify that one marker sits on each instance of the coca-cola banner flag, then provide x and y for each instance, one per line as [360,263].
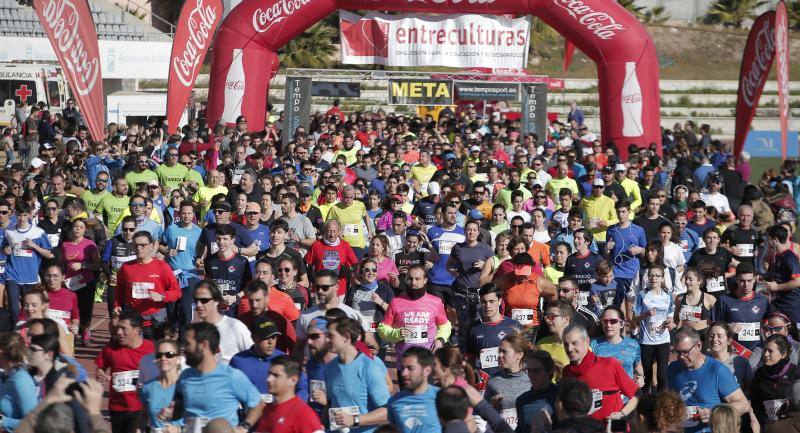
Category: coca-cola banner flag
[782,59]
[534,109]
[298,106]
[759,52]
[69,26]
[603,30]
[196,26]
[442,40]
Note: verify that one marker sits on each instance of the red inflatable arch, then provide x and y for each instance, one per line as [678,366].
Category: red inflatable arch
[245,54]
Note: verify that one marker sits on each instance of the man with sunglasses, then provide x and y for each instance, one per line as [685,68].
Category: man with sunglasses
[93,196]
[101,162]
[702,381]
[142,172]
[170,172]
[177,246]
[115,204]
[145,285]
[138,210]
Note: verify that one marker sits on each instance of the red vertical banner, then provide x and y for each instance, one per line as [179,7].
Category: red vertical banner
[759,53]
[569,50]
[196,26]
[782,59]
[70,28]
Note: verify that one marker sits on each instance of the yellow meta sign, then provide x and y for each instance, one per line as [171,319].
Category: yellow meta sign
[433,92]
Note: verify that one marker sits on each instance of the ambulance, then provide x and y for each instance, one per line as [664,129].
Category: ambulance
[31,82]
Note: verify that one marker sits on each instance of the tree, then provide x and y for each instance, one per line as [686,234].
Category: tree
[657,15]
[311,49]
[733,13]
[793,9]
[637,11]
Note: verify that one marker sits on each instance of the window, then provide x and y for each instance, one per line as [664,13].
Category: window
[54,93]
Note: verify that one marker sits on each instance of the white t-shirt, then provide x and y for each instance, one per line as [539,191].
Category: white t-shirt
[310,314]
[717,200]
[526,216]
[673,257]
[234,337]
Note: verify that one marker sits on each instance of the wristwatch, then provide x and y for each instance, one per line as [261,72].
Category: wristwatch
[356,420]
[246,425]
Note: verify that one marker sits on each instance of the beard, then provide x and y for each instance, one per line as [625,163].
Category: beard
[193,359]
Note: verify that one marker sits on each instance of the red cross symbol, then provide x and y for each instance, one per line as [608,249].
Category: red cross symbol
[23,93]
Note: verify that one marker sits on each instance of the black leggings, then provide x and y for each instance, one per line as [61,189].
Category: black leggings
[655,354]
[86,303]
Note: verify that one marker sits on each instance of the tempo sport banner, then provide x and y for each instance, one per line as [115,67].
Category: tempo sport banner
[534,110]
[420,92]
[480,91]
[70,28]
[759,52]
[298,106]
[456,41]
[196,26]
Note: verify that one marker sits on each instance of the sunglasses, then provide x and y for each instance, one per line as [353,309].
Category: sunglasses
[5,212]
[99,180]
[315,337]
[168,355]
[774,329]
[203,301]
[137,205]
[252,213]
[455,202]
[325,286]
[285,270]
[373,270]
[172,155]
[129,229]
[611,321]
[52,208]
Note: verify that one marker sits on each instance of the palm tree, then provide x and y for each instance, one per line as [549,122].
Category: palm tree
[657,15]
[734,12]
[311,49]
[630,5]
[793,9]
[543,37]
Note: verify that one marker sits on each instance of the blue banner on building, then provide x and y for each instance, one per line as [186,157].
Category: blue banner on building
[767,144]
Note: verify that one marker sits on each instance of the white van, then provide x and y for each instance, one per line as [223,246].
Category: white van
[34,82]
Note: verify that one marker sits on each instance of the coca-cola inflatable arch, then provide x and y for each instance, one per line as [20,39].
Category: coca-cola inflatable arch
[245,54]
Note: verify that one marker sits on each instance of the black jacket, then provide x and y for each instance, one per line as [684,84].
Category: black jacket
[582,424]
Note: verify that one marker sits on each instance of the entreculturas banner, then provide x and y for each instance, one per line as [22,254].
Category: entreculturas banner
[457,41]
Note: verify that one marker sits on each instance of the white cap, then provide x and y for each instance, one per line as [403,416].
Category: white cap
[620,167]
[598,182]
[434,188]
[475,149]
[37,163]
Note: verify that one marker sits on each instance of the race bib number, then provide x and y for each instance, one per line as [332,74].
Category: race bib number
[54,239]
[583,298]
[774,408]
[317,385]
[692,416]
[597,401]
[490,357]
[510,417]
[298,306]
[214,247]
[350,230]
[21,251]
[2,267]
[715,284]
[117,262]
[350,410]
[125,381]
[141,290]
[744,250]
[195,424]
[417,334]
[58,315]
[445,247]
[691,313]
[685,245]
[369,319]
[75,283]
[267,398]
[522,315]
[749,332]
[236,178]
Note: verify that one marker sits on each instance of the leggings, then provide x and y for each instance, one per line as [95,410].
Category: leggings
[655,354]
[86,303]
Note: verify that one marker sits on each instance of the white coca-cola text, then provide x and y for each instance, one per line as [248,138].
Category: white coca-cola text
[455,2]
[279,11]
[782,53]
[234,85]
[62,21]
[754,74]
[200,23]
[634,98]
[600,23]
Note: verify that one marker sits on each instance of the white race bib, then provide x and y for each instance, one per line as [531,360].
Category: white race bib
[350,410]
[692,416]
[490,357]
[298,306]
[715,284]
[315,385]
[58,315]
[124,381]
[510,417]
[691,313]
[267,398]
[583,298]
[749,332]
[195,424]
[522,315]
[445,247]
[774,408]
[350,229]
[54,239]
[685,245]
[75,283]
[744,250]
[141,290]
[117,262]
[214,247]
[597,400]
[21,251]
[417,334]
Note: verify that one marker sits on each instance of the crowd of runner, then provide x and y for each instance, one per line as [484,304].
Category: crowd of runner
[384,272]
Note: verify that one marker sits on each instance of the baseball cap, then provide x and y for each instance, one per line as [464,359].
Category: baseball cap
[598,182]
[152,182]
[252,207]
[47,145]
[306,190]
[608,169]
[620,167]
[37,163]
[434,188]
[264,328]
[223,206]
[549,145]
[319,323]
[475,214]
[456,163]
[16,167]
[714,178]
[475,149]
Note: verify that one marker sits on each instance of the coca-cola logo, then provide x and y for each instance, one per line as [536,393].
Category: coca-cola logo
[601,24]
[234,85]
[455,2]
[200,24]
[62,19]
[279,11]
[754,74]
[633,98]
[782,53]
